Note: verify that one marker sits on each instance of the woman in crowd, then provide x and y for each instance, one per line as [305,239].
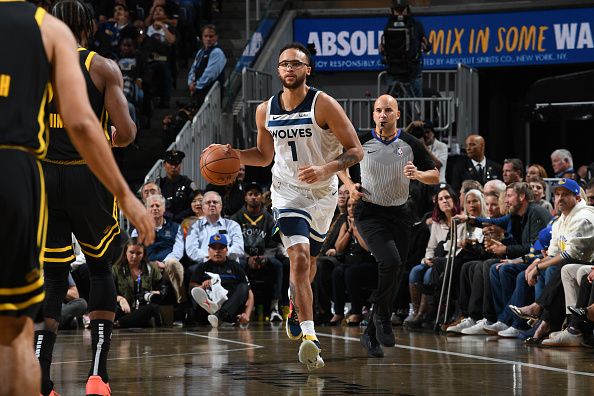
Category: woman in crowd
[446,206]
[535,170]
[139,288]
[357,271]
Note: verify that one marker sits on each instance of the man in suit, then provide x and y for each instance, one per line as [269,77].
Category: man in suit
[474,166]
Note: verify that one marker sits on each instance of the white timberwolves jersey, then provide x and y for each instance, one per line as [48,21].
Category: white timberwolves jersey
[300,141]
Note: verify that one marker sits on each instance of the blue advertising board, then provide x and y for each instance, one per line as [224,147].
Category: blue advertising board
[478,40]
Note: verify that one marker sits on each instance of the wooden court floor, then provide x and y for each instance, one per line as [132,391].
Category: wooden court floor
[261,360]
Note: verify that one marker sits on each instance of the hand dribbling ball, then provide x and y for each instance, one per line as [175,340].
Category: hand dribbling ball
[218,166]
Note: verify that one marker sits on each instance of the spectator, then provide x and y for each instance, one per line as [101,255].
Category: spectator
[240,299]
[132,66]
[175,187]
[208,66]
[170,7]
[357,271]
[260,262]
[474,166]
[513,170]
[562,162]
[439,150]
[539,188]
[73,307]
[232,193]
[402,45]
[509,287]
[468,185]
[158,48]
[157,253]
[572,242]
[149,188]
[446,206]
[189,216]
[326,261]
[110,33]
[536,170]
[579,294]
[212,223]
[138,285]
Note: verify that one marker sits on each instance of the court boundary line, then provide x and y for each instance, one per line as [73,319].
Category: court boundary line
[254,346]
[466,355]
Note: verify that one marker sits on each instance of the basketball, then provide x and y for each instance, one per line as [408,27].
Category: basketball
[218,166]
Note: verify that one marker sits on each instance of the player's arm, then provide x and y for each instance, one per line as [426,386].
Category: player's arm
[262,154]
[115,100]
[82,125]
[333,116]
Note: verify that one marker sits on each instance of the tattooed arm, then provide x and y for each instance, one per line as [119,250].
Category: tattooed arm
[330,114]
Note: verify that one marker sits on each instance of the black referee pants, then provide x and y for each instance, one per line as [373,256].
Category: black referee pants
[386,231]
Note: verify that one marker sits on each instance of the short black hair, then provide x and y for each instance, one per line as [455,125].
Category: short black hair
[78,16]
[299,47]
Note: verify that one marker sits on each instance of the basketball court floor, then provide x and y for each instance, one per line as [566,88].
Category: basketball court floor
[261,360]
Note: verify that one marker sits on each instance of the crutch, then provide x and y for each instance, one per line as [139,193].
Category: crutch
[447,276]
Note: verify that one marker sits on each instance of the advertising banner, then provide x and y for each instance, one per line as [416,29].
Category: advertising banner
[477,40]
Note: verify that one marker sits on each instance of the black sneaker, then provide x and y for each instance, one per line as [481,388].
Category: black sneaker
[383,330]
[370,343]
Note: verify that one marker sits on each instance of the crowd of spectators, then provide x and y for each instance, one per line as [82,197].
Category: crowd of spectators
[151,40]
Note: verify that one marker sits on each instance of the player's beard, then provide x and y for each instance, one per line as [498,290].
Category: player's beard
[297,82]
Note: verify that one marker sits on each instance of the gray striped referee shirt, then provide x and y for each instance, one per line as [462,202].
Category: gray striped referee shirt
[382,167]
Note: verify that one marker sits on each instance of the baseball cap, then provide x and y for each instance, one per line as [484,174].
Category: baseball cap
[254,186]
[544,238]
[568,184]
[217,239]
[174,157]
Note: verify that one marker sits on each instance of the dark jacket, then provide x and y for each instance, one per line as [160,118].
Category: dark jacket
[164,241]
[256,230]
[461,168]
[535,219]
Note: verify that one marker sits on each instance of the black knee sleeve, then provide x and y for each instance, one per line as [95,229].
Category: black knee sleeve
[102,296]
[56,286]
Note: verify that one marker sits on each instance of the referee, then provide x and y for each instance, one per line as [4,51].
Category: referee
[392,158]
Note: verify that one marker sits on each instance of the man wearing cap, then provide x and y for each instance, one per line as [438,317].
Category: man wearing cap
[175,187]
[260,260]
[572,241]
[240,299]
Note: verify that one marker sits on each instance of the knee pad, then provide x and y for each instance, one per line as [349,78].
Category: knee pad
[56,286]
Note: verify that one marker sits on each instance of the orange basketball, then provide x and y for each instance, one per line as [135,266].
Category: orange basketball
[218,166]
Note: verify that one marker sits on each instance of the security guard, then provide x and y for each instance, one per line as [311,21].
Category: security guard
[176,188]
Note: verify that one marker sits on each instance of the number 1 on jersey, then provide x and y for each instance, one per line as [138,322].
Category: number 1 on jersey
[293,146]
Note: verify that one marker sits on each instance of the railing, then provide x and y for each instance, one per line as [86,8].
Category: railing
[256,87]
[462,85]
[203,130]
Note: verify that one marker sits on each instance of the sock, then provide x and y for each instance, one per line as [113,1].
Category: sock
[274,305]
[100,342]
[44,349]
[307,327]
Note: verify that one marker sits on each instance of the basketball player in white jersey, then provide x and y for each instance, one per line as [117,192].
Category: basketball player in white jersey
[310,138]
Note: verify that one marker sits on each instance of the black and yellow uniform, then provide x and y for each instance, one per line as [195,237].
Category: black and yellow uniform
[78,202]
[24,89]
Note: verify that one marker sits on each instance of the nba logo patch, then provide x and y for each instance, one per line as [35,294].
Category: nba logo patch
[399,151]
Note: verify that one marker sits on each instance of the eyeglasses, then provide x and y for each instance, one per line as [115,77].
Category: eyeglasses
[211,203]
[291,65]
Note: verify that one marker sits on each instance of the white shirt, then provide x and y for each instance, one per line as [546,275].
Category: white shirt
[201,231]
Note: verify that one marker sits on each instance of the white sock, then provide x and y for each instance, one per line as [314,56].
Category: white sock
[307,327]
